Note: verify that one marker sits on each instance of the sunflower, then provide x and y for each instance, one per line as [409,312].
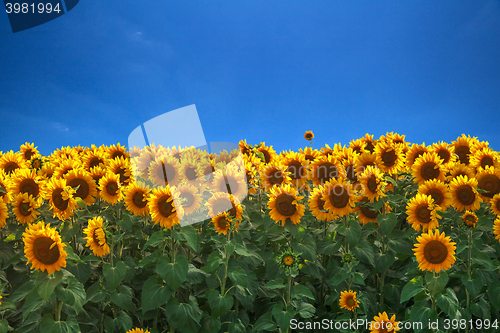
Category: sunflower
[245,148]
[61,198]
[47,170]
[339,197]
[24,207]
[65,166]
[372,182]
[136,198]
[37,161]
[109,188]
[117,151]
[358,146]
[296,166]
[121,166]
[283,203]
[87,189]
[348,300]
[93,158]
[366,214]
[309,135]
[395,139]
[349,164]
[415,152]
[382,324]
[370,144]
[483,158]
[269,154]
[445,153]
[438,191]
[206,170]
[188,169]
[469,218]
[221,202]
[289,260]
[96,237]
[4,213]
[64,153]
[326,168]
[97,173]
[189,196]
[5,195]
[137,330]
[230,180]
[309,153]
[389,157]
[364,160]
[274,173]
[422,212]
[165,208]
[26,181]
[465,195]
[222,223]
[28,150]
[317,205]
[44,248]
[251,177]
[165,171]
[427,167]
[488,179]
[495,204]
[459,169]
[496,228]
[11,161]
[434,251]
[463,146]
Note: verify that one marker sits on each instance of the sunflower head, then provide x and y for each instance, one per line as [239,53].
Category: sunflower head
[309,135]
[96,237]
[224,223]
[348,300]
[434,251]
[382,324]
[469,218]
[496,228]
[137,330]
[289,261]
[283,203]
[43,248]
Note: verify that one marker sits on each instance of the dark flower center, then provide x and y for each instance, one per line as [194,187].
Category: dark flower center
[465,195]
[435,252]
[284,204]
[42,251]
[58,200]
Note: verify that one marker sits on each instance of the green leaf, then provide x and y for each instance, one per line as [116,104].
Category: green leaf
[306,310]
[4,326]
[174,273]
[81,270]
[364,252]
[123,298]
[387,224]
[123,322]
[283,317]
[32,303]
[385,261]
[219,304]
[96,293]
[436,283]
[264,323]
[114,275]
[328,247]
[481,309]
[190,235]
[493,292]
[126,222]
[154,294]
[473,285]
[184,316]
[352,233]
[154,240]
[483,259]
[73,294]
[422,314]
[448,302]
[48,283]
[80,203]
[275,284]
[210,325]
[213,262]
[238,276]
[300,291]
[49,325]
[412,288]
[195,275]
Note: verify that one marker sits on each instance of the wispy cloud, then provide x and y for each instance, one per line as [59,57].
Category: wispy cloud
[59,126]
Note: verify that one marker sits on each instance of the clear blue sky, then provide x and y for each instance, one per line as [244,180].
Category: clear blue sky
[256,70]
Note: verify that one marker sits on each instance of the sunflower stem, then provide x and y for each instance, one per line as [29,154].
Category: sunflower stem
[289,291]
[59,305]
[469,266]
[111,245]
[226,264]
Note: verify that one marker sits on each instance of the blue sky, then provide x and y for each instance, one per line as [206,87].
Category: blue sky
[256,70]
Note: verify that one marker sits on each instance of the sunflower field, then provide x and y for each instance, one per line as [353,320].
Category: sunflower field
[381,235]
